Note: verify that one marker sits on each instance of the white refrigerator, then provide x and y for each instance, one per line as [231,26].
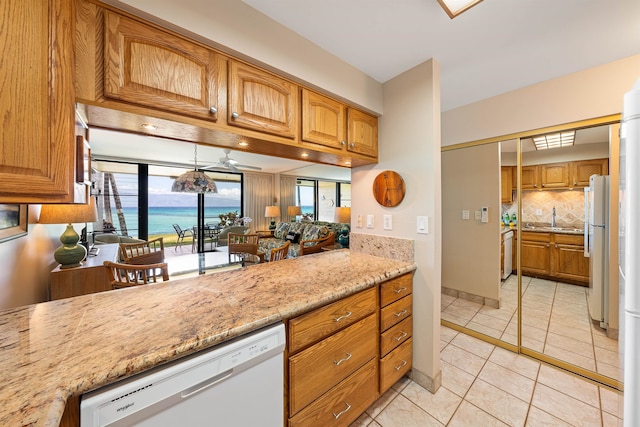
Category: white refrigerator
[630,253]
[596,247]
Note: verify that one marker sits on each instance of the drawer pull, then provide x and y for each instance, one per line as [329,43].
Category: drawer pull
[338,362]
[336,416]
[402,289]
[402,365]
[344,316]
[401,313]
[402,335]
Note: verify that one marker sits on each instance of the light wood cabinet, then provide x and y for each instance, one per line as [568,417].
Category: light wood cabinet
[530,177]
[582,170]
[332,369]
[261,101]
[37,163]
[554,175]
[323,120]
[555,256]
[396,330]
[362,132]
[506,184]
[147,66]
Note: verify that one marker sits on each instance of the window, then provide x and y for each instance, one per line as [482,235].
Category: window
[319,199]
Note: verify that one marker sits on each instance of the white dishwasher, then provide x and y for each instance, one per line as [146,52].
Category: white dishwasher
[507,253]
[238,383]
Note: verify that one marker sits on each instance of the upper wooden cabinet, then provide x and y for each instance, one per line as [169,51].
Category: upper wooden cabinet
[530,177]
[506,184]
[582,170]
[362,131]
[37,159]
[555,175]
[146,66]
[261,101]
[323,120]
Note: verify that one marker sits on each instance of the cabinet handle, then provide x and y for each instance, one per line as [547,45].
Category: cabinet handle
[343,143]
[235,115]
[213,110]
[352,145]
[575,182]
[338,362]
[402,289]
[342,412]
[543,185]
[535,185]
[344,316]
[547,245]
[400,313]
[556,246]
[402,335]
[400,366]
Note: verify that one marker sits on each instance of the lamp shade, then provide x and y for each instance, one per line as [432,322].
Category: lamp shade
[294,210]
[272,211]
[69,213]
[343,215]
[194,182]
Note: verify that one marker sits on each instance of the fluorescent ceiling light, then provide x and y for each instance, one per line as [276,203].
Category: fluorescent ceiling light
[456,7]
[555,140]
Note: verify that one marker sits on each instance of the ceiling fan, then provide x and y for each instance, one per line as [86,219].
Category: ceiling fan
[227,162]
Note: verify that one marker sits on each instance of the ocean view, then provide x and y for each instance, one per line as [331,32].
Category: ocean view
[161,219]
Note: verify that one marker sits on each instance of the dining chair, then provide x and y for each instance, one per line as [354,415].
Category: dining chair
[209,234]
[147,252]
[280,253]
[181,235]
[127,275]
[241,245]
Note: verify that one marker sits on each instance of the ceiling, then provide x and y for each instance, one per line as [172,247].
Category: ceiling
[495,47]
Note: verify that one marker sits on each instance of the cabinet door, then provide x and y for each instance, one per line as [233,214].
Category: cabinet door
[536,257]
[506,184]
[262,101]
[362,133]
[569,262]
[147,66]
[323,120]
[554,175]
[582,170]
[530,177]
[37,155]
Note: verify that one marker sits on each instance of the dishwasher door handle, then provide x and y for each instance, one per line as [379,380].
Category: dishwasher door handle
[206,384]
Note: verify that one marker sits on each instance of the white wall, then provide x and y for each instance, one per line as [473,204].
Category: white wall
[409,143]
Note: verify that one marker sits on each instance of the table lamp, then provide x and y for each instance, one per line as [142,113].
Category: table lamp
[293,212]
[343,216]
[70,254]
[272,212]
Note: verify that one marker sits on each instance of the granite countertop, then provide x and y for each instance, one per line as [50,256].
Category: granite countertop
[58,349]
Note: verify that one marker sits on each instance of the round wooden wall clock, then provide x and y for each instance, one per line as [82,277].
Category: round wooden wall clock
[389,188]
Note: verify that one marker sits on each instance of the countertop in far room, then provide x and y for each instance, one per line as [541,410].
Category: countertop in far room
[52,351]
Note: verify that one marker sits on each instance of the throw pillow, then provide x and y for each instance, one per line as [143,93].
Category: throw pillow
[293,237]
[281,230]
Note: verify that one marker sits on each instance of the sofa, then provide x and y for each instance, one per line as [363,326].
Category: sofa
[223,237]
[107,238]
[305,237]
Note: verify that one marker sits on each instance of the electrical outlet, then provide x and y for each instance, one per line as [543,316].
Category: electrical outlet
[539,212]
[387,223]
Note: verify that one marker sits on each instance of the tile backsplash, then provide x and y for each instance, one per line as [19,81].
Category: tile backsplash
[569,206]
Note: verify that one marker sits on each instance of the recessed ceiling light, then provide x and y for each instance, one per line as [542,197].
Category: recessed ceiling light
[148,126]
[456,7]
[555,140]
[348,162]
[304,155]
[243,143]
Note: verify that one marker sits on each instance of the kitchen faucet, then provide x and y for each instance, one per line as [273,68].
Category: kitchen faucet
[553,217]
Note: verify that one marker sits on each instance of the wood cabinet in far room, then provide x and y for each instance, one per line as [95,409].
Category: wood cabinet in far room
[506,184]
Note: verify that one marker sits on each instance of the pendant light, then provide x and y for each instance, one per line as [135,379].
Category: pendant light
[194,181]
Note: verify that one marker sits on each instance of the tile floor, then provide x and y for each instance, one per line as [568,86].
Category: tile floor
[555,321]
[485,385]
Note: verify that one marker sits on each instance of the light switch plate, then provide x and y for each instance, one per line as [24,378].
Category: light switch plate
[477,215]
[369,221]
[465,214]
[387,222]
[359,221]
[422,223]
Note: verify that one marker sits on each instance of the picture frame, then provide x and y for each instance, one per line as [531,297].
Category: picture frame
[13,221]
[83,160]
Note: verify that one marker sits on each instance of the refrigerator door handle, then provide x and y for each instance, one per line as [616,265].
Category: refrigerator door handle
[586,223]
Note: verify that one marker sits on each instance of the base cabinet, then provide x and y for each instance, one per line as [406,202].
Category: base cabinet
[555,256]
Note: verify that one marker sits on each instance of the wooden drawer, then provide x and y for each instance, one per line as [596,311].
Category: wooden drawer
[344,403]
[569,239]
[395,364]
[394,313]
[536,237]
[396,335]
[321,323]
[395,289]
[318,368]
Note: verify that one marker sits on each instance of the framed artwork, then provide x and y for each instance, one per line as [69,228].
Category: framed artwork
[13,221]
[83,160]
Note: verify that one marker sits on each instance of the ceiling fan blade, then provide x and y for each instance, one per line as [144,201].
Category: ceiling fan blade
[237,165]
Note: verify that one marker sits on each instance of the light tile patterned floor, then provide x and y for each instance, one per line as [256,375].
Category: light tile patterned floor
[485,385]
[555,319]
